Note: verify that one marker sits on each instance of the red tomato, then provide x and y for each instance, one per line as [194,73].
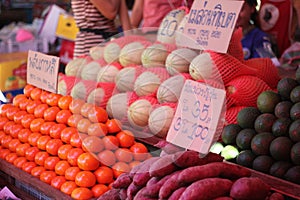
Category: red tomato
[57,182]
[39,110]
[74,119]
[40,157]
[50,113]
[19,116]
[35,93]
[27,119]
[71,173]
[36,171]
[56,129]
[45,127]
[31,152]
[16,128]
[67,133]
[113,125]
[35,125]
[8,126]
[75,140]
[53,145]
[4,153]
[17,99]
[52,99]
[62,152]
[63,116]
[12,145]
[24,134]
[32,105]
[3,121]
[11,113]
[27,89]
[4,108]
[42,141]
[47,176]
[88,161]
[68,187]
[50,162]
[44,96]
[28,166]
[19,162]
[64,102]
[21,149]
[5,141]
[85,179]
[11,157]
[82,193]
[104,175]
[75,106]
[98,114]
[23,104]
[61,167]
[73,155]
[99,189]
[33,138]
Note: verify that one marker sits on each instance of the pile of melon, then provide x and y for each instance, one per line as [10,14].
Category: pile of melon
[139,80]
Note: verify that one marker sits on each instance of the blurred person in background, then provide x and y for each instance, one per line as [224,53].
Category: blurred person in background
[256,43]
[95,20]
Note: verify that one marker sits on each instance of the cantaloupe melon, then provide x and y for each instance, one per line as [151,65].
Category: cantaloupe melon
[179,60]
[97,52]
[138,113]
[131,54]
[82,89]
[73,67]
[126,77]
[146,83]
[160,120]
[90,71]
[154,56]
[107,74]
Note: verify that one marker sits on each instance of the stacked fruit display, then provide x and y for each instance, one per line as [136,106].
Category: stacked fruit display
[65,142]
[184,175]
[268,135]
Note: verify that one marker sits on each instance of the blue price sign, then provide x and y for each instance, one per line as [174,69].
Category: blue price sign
[200,114]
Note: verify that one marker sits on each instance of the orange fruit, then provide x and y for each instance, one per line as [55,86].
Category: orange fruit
[107,157]
[97,129]
[113,125]
[124,155]
[104,175]
[97,114]
[126,138]
[111,142]
[119,168]
[140,151]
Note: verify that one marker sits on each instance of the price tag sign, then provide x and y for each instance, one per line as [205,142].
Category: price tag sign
[42,71]
[210,24]
[199,117]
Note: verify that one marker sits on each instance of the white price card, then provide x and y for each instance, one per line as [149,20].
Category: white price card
[42,71]
[198,118]
[210,24]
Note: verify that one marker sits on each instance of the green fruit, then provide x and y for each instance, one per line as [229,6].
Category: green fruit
[294,131]
[295,153]
[282,109]
[295,111]
[264,122]
[280,148]
[263,163]
[229,133]
[244,137]
[246,117]
[293,174]
[285,86]
[245,158]
[281,127]
[267,100]
[295,94]
[297,75]
[229,152]
[260,143]
[279,168]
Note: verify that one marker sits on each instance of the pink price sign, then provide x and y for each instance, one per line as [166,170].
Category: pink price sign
[199,117]
[42,71]
[210,24]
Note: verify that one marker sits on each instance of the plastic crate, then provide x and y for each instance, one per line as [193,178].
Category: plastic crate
[38,44]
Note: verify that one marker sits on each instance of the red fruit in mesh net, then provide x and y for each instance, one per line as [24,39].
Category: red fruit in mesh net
[213,83]
[266,70]
[66,83]
[244,90]
[232,113]
[122,41]
[235,47]
[229,67]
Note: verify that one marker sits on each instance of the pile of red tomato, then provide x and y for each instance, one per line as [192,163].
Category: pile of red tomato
[70,144]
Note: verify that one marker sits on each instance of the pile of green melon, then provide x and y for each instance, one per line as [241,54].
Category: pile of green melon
[268,136]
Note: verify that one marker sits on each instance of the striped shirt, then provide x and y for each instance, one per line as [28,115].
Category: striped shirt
[88,17]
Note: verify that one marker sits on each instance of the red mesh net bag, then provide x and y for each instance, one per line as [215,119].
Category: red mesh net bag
[169,47]
[65,84]
[228,67]
[244,90]
[213,83]
[83,88]
[266,70]
[232,113]
[235,47]
[162,73]
[101,94]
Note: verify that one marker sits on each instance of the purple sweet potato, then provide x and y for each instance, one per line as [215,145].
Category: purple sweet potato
[132,190]
[207,189]
[162,167]
[142,195]
[223,198]
[123,181]
[170,186]
[123,194]
[141,167]
[152,181]
[276,196]
[112,194]
[245,187]
[186,159]
[167,147]
[177,193]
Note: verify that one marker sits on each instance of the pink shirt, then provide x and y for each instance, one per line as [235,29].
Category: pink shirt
[155,10]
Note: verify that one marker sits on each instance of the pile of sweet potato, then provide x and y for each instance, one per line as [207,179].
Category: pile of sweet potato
[185,176]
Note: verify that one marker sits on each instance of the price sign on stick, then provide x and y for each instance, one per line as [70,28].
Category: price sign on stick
[42,71]
[199,117]
[210,24]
